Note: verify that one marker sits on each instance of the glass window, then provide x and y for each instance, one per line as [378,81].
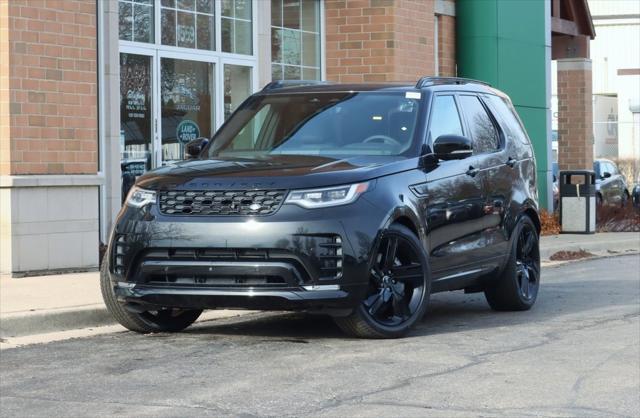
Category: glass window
[136,20]
[322,124]
[186,104]
[509,119]
[483,132]
[295,39]
[188,23]
[237,87]
[445,119]
[236,24]
[135,118]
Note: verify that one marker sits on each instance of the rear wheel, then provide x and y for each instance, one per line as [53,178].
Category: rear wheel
[160,320]
[398,291]
[517,287]
[625,199]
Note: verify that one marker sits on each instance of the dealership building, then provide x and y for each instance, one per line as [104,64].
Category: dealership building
[95,92]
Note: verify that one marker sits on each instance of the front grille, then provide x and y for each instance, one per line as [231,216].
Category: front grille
[222,203]
[220,268]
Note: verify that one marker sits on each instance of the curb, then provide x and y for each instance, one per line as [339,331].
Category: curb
[40,322]
[33,323]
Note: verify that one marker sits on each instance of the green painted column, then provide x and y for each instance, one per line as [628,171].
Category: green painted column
[508,44]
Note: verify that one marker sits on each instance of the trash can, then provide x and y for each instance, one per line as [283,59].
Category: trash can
[577,201]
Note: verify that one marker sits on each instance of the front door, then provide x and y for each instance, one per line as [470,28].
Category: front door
[455,204]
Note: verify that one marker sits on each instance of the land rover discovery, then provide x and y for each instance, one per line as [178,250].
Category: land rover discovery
[355,201]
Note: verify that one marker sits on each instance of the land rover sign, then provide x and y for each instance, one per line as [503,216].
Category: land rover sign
[187,131]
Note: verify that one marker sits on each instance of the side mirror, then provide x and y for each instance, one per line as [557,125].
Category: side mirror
[606,175]
[195,147]
[452,147]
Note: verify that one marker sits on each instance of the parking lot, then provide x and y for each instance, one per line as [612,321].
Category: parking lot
[577,353]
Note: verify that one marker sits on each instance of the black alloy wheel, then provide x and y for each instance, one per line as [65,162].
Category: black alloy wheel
[516,289]
[398,290]
[528,262]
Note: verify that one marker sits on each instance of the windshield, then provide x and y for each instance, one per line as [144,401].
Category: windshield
[325,124]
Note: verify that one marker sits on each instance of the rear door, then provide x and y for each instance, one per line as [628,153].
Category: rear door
[498,174]
[454,198]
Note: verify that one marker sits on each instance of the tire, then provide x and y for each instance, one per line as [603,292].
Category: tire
[163,320]
[402,279]
[508,292]
[625,199]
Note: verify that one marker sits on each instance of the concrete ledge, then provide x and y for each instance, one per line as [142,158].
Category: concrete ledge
[53,180]
[574,64]
[444,7]
[18,325]
[57,320]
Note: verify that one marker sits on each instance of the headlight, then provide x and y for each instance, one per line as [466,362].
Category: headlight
[139,197]
[330,196]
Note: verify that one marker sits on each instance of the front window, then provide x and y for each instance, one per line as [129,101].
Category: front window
[324,124]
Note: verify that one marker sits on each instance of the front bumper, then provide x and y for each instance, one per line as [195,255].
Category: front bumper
[294,259]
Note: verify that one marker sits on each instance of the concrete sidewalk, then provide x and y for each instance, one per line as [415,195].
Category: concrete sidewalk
[36,305]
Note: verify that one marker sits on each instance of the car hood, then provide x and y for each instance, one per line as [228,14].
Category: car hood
[272,172]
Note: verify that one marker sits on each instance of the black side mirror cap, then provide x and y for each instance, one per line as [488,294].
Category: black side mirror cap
[195,147]
[606,175]
[452,147]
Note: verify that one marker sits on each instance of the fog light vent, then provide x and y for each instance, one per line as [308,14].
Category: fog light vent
[118,255]
[331,258]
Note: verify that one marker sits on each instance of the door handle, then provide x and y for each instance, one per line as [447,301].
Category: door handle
[472,171]
[510,162]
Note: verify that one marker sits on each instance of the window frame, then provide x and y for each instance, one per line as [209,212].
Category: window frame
[217,52]
[321,68]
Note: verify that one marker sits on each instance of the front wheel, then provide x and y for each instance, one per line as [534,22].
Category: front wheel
[160,320]
[517,287]
[398,291]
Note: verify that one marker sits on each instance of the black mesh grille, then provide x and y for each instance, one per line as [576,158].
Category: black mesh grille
[244,202]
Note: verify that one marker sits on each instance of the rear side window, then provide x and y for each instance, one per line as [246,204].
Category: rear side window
[483,132]
[445,119]
[508,119]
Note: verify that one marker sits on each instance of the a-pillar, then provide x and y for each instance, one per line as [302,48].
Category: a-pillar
[575,114]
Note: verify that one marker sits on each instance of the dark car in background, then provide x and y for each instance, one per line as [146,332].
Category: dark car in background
[356,201]
[611,186]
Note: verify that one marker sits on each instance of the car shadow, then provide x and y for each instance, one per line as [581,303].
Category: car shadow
[448,312]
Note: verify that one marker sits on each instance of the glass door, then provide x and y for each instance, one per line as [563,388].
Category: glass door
[136,115]
[186,104]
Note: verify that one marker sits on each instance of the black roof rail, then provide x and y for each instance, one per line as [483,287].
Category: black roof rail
[274,85]
[432,81]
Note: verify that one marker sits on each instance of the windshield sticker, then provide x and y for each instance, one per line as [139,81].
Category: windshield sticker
[413,95]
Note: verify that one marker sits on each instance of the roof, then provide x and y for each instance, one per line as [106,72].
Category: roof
[434,83]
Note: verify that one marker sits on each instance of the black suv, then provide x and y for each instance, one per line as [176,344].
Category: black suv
[356,201]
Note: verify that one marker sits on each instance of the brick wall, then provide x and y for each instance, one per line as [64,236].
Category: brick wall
[379,40]
[52,47]
[447,45]
[575,127]
[5,149]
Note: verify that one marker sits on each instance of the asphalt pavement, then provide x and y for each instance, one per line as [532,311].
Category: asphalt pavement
[577,353]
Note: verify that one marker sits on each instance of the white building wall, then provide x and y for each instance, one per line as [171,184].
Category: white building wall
[617,47]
